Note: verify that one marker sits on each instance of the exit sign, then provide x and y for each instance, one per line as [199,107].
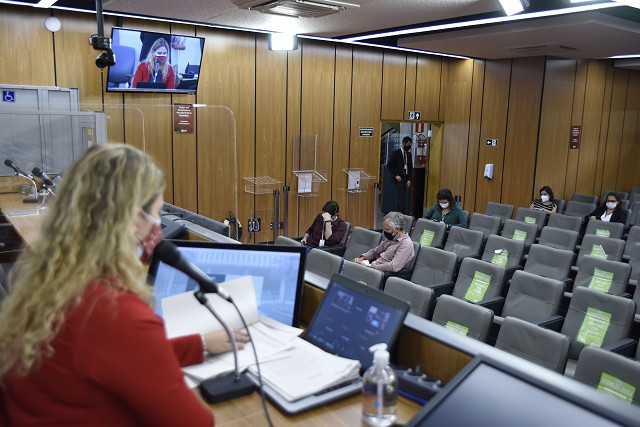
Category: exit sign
[414,115]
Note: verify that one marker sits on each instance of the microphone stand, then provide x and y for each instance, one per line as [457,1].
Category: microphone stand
[35,188]
[225,386]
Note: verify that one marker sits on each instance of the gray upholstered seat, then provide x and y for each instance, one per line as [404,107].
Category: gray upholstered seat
[286,241]
[502,210]
[478,281]
[566,222]
[323,263]
[594,245]
[561,205]
[604,228]
[594,363]
[361,241]
[532,216]
[487,224]
[603,275]
[363,274]
[632,237]
[532,298]
[549,262]
[459,316]
[419,297]
[634,262]
[409,221]
[558,238]
[518,230]
[434,268]
[538,345]
[498,245]
[622,195]
[464,242]
[584,198]
[431,232]
[579,209]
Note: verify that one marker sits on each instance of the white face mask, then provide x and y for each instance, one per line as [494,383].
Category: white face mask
[544,198]
[612,205]
[444,205]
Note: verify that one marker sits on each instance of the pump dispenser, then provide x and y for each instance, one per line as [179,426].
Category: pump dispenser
[379,390]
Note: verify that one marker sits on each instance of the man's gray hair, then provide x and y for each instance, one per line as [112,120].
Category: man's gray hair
[396,220]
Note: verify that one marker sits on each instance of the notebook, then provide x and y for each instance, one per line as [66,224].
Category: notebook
[350,318]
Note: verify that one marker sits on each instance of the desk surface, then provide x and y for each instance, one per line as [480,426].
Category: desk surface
[247,412]
[25,217]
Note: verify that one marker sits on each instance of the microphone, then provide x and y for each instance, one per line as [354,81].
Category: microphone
[155,76]
[38,173]
[16,169]
[169,253]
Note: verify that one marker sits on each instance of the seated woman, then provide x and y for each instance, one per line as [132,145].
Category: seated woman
[610,210]
[447,210]
[545,202]
[156,68]
[79,341]
[327,228]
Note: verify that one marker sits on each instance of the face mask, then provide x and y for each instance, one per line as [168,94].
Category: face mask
[406,148]
[612,205]
[388,235]
[161,58]
[544,198]
[444,205]
[149,243]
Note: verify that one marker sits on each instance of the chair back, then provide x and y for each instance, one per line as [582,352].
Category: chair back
[463,318]
[464,242]
[564,222]
[584,198]
[429,233]
[363,274]
[541,346]
[532,216]
[123,70]
[487,224]
[532,298]
[502,251]
[605,229]
[409,220]
[634,262]
[622,195]
[558,238]
[579,209]
[549,262]
[361,241]
[323,263]
[596,319]
[521,231]
[478,280]
[502,210]
[632,238]
[420,298]
[560,203]
[603,275]
[286,241]
[434,266]
[606,370]
[604,247]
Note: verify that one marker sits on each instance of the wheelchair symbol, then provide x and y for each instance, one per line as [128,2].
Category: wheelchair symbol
[8,96]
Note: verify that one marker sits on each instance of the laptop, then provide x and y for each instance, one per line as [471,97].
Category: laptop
[277,273]
[350,318]
[151,85]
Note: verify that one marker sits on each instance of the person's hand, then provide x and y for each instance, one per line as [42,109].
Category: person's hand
[218,342]
[408,184]
[303,241]
[592,217]
[358,260]
[326,216]
[398,178]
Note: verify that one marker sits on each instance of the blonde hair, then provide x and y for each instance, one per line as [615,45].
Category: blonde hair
[151,58]
[87,235]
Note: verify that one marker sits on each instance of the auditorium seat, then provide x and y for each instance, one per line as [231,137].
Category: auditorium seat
[603,275]
[361,241]
[486,224]
[323,263]
[435,268]
[505,252]
[532,216]
[502,210]
[429,233]
[463,318]
[480,282]
[565,222]
[286,241]
[634,262]
[419,297]
[584,198]
[632,237]
[464,242]
[363,274]
[550,262]
[605,229]
[531,342]
[622,195]
[558,238]
[522,231]
[579,209]
[594,245]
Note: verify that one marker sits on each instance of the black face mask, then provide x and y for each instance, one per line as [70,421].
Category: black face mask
[388,235]
[406,148]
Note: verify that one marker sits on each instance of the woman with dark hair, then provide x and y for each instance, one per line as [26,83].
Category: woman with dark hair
[327,228]
[610,210]
[545,202]
[447,210]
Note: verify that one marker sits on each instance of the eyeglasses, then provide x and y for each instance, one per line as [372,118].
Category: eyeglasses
[152,219]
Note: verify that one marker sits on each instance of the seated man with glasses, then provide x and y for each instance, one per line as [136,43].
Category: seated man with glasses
[395,252]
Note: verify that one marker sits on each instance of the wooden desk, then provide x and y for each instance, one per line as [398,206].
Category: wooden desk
[247,412]
[25,217]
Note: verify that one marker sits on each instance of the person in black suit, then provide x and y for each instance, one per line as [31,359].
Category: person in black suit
[610,210]
[401,168]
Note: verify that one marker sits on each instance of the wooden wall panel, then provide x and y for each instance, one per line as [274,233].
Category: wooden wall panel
[555,120]
[271,113]
[591,123]
[294,94]
[27,47]
[495,103]
[394,70]
[577,114]
[628,170]
[342,128]
[616,123]
[428,87]
[604,129]
[365,111]
[475,121]
[522,131]
[410,83]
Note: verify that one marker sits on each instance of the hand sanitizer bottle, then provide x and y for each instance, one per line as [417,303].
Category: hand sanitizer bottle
[379,390]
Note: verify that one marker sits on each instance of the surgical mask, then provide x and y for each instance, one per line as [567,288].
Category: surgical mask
[444,205]
[544,198]
[388,235]
[161,58]
[612,205]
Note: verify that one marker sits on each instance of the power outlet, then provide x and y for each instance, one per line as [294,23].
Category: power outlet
[254,225]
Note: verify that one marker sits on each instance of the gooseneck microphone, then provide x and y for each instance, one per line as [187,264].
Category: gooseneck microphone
[155,76]
[38,173]
[16,169]
[169,253]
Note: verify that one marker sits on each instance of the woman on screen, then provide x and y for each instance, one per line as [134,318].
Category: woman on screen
[79,341]
[156,68]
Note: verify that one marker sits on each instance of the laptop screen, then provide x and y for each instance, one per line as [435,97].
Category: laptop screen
[352,317]
[277,273]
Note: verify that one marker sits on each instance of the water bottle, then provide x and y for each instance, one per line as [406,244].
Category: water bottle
[379,390]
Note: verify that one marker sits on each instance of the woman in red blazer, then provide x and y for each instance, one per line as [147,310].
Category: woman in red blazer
[156,68]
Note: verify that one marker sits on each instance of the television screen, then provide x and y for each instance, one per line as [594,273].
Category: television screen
[154,62]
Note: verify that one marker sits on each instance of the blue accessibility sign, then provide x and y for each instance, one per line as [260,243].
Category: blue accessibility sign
[8,96]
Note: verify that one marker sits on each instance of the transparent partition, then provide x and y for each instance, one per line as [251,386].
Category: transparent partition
[306,167]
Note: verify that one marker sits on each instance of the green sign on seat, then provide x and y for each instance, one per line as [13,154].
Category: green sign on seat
[457,328]
[427,237]
[616,387]
[478,287]
[601,280]
[594,327]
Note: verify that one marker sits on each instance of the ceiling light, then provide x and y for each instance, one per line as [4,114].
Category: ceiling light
[511,7]
[283,41]
[630,3]
[45,3]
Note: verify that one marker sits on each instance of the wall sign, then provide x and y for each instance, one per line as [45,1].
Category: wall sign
[366,132]
[8,96]
[574,142]
[183,118]
[491,142]
[414,115]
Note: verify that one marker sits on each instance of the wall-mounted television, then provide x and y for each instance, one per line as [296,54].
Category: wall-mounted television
[147,61]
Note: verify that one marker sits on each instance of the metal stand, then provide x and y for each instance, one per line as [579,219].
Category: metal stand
[276,213]
[286,190]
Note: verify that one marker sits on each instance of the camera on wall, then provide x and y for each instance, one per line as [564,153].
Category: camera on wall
[107,58]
